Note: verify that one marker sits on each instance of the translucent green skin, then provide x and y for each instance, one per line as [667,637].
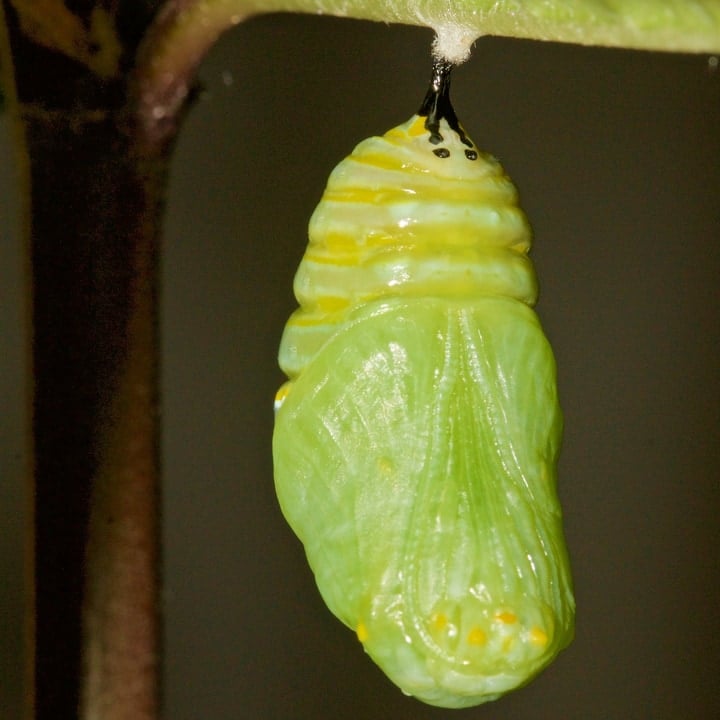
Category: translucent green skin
[416,442]
[415,458]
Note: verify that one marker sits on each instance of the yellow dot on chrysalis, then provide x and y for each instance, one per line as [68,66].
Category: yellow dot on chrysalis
[331,303]
[385,465]
[362,633]
[506,617]
[439,621]
[507,645]
[418,127]
[476,637]
[281,394]
[538,636]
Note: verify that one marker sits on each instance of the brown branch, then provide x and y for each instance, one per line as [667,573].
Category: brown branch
[94,244]
[93,202]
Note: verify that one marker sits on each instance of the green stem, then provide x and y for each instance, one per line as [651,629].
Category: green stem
[185,29]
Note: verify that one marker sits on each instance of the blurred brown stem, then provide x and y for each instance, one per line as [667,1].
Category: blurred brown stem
[94,241]
[93,194]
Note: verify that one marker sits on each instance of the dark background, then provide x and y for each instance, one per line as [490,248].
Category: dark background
[617,158]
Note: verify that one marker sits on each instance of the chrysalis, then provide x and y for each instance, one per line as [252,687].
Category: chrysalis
[416,441]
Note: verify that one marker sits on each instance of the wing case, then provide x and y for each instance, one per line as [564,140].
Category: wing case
[415,457]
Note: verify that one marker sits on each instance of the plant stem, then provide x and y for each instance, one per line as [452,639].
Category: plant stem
[186,29]
[93,198]
[94,240]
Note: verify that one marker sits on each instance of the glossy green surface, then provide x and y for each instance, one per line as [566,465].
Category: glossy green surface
[397,220]
[416,442]
[415,458]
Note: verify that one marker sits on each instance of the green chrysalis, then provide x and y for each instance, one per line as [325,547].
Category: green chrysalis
[416,441]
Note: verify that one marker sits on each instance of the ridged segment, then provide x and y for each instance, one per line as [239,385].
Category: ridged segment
[397,220]
[415,446]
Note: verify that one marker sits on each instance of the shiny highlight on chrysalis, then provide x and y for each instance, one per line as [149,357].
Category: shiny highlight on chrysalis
[416,440]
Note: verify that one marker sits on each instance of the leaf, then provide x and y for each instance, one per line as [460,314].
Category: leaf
[674,25]
[183,32]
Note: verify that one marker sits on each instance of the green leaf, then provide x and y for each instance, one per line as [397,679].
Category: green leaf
[675,25]
[185,31]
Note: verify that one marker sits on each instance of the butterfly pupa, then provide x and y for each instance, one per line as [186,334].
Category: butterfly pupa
[416,441]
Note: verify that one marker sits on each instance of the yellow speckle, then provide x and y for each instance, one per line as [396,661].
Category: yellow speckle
[506,617]
[355,195]
[418,127]
[396,132]
[543,472]
[281,395]
[385,465]
[319,257]
[476,637]
[362,633]
[336,241]
[538,636]
[507,645]
[439,621]
[331,303]
[379,159]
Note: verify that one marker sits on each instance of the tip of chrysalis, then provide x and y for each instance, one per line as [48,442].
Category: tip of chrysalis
[453,43]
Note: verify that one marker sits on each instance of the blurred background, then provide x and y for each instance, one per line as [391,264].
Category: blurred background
[617,158]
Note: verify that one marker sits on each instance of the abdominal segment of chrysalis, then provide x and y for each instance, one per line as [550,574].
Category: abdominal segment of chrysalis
[416,441]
